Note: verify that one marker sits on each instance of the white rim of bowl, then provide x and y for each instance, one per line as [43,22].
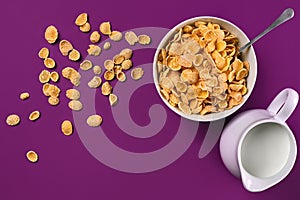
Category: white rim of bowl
[211,116]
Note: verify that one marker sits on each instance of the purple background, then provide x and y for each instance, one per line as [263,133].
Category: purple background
[66,170]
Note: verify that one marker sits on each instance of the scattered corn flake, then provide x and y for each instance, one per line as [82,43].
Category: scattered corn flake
[127,53]
[94,50]
[74,55]
[113,99]
[109,75]
[85,28]
[121,76]
[75,105]
[53,101]
[86,65]
[95,37]
[46,89]
[65,47]
[54,76]
[51,34]
[67,127]
[13,120]
[43,53]
[126,64]
[94,120]
[71,74]
[81,19]
[106,88]
[97,69]
[73,94]
[115,36]
[109,64]
[44,76]
[49,63]
[95,82]
[32,156]
[34,115]
[53,90]
[105,28]
[144,39]
[106,45]
[137,73]
[131,38]
[24,95]
[118,59]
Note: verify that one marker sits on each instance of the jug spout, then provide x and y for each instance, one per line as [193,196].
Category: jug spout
[253,183]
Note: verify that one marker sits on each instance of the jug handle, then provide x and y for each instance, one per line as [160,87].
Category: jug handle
[284,104]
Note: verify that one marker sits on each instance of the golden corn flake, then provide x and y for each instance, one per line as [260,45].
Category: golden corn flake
[24,95]
[74,55]
[108,64]
[127,53]
[95,82]
[44,76]
[126,64]
[137,73]
[105,28]
[71,74]
[113,99]
[44,53]
[86,65]
[144,39]
[97,69]
[75,105]
[109,75]
[95,37]
[13,120]
[73,94]
[121,76]
[106,45]
[94,120]
[85,28]
[53,101]
[51,34]
[115,36]
[67,127]
[106,88]
[118,59]
[34,115]
[65,47]
[81,19]
[94,50]
[45,89]
[54,76]
[32,156]
[49,63]
[131,38]
[51,90]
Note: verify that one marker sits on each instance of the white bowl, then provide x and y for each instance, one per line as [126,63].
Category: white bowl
[248,55]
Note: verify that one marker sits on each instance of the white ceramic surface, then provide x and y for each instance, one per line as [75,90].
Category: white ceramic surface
[258,146]
[248,55]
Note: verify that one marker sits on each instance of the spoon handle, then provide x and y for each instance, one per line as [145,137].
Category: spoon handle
[285,16]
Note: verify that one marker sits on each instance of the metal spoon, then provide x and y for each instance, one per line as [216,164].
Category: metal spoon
[285,16]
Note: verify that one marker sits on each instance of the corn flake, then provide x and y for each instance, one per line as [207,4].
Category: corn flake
[97,69]
[75,105]
[94,120]
[113,99]
[24,95]
[74,55]
[85,28]
[67,127]
[43,53]
[137,73]
[115,36]
[34,115]
[54,76]
[131,38]
[44,76]
[109,75]
[13,120]
[105,28]
[95,37]
[95,82]
[106,88]
[51,34]
[81,19]
[49,63]
[32,156]
[121,76]
[94,50]
[73,94]
[65,47]
[106,45]
[127,53]
[144,39]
